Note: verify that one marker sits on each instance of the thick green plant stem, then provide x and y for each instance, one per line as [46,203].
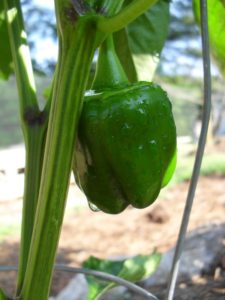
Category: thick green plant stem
[125,16]
[33,124]
[34,156]
[78,46]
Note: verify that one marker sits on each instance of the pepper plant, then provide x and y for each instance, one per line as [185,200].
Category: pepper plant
[119,138]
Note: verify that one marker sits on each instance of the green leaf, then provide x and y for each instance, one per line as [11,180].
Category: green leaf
[133,269]
[96,286]
[216,22]
[140,267]
[147,36]
[6,64]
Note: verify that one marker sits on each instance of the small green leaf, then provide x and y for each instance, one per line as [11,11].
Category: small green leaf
[140,267]
[216,22]
[109,266]
[133,269]
[147,36]
[96,286]
[6,64]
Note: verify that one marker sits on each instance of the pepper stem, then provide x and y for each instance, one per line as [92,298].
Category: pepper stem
[109,70]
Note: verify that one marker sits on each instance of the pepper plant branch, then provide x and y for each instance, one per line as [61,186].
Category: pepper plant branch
[33,129]
[65,109]
[21,56]
[128,14]
[110,7]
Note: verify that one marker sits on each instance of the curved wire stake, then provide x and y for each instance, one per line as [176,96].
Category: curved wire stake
[101,275]
[199,154]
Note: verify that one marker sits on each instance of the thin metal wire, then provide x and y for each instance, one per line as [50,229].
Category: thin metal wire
[200,151]
[101,275]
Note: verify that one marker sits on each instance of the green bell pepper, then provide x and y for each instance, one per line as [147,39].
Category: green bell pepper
[126,149]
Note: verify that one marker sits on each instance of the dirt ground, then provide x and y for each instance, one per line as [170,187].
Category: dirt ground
[86,233]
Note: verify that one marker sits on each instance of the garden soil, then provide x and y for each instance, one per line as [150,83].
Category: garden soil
[132,232]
